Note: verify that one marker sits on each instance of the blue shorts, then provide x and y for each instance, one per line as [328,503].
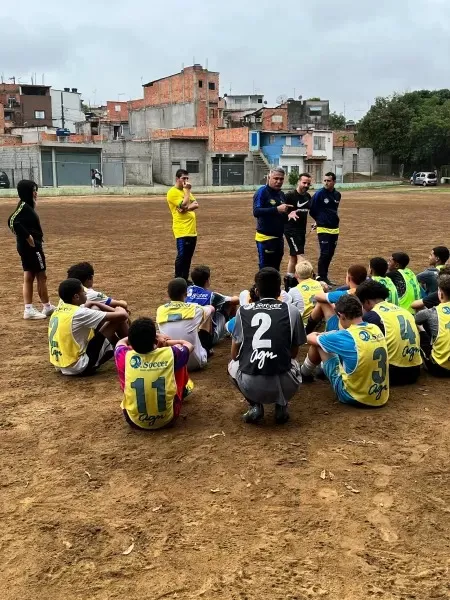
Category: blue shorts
[229,326]
[332,370]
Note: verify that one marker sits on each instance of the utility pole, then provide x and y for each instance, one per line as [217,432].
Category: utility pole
[63,121]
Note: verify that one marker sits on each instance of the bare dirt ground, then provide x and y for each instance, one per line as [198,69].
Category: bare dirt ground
[340,503]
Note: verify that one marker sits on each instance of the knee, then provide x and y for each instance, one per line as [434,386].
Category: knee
[28,277]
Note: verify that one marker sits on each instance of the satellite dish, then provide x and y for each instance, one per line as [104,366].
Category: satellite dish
[300,97]
[281,99]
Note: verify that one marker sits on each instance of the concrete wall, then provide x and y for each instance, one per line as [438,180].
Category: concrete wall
[135,158]
[343,157]
[72,109]
[184,150]
[21,162]
[167,117]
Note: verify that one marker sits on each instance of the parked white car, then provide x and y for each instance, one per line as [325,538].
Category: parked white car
[424,178]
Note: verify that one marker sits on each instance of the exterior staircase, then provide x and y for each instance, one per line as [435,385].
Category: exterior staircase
[261,165]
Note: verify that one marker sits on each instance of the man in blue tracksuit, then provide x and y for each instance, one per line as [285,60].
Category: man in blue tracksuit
[324,211]
[270,210]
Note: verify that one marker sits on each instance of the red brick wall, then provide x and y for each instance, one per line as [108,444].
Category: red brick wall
[10,140]
[113,115]
[231,140]
[2,120]
[268,125]
[183,87]
[344,139]
[192,132]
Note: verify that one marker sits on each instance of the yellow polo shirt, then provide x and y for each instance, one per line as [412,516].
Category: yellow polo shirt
[184,224]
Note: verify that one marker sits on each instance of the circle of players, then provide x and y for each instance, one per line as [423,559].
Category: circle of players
[379,329]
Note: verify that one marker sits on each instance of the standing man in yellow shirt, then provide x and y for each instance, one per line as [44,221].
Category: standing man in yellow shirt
[183,205]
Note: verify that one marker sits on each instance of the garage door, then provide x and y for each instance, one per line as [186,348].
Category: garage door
[74,168]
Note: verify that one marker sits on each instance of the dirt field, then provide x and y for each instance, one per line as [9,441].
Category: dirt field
[244,515]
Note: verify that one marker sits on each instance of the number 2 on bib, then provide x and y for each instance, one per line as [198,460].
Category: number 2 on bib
[263,322]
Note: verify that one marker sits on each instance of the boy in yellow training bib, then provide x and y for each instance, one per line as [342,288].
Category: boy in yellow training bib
[354,358]
[152,375]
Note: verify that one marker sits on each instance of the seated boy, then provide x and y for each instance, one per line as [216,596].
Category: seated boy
[304,294]
[377,270]
[200,293]
[437,260]
[81,339]
[431,299]
[324,308]
[84,271]
[435,337]
[266,339]
[354,358]
[182,321]
[405,281]
[153,376]
[399,329]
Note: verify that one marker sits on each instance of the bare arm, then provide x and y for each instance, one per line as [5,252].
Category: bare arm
[187,345]
[294,351]
[121,303]
[117,315]
[321,297]
[418,305]
[187,195]
[101,306]
[312,339]
[193,205]
[122,342]
[235,347]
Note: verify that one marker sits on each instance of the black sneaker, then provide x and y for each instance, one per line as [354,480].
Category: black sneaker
[281,414]
[290,282]
[254,414]
[326,280]
[307,378]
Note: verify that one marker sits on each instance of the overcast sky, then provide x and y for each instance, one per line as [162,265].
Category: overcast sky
[347,51]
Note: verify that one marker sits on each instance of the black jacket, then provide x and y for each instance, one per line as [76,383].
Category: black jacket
[25,222]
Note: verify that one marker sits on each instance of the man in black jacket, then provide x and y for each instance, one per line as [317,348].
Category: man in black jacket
[25,224]
[324,210]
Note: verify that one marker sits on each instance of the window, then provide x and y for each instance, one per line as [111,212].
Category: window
[117,108]
[315,110]
[212,113]
[211,85]
[192,166]
[8,116]
[288,141]
[277,118]
[39,114]
[200,83]
[259,100]
[355,163]
[285,168]
[295,169]
[272,139]
[319,143]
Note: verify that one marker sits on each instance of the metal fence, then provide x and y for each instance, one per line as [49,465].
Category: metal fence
[63,172]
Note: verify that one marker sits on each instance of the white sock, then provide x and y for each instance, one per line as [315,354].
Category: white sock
[308,367]
[28,306]
[46,305]
[291,274]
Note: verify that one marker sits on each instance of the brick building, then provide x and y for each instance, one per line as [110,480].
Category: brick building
[186,99]
[26,105]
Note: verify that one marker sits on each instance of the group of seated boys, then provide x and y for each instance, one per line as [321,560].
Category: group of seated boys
[380,327]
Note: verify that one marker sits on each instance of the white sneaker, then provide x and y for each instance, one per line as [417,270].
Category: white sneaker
[33,313]
[47,312]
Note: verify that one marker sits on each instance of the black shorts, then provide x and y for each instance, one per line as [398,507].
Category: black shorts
[296,242]
[96,354]
[33,259]
[403,375]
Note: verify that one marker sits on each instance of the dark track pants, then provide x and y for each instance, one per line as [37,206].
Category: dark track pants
[327,245]
[185,252]
[270,253]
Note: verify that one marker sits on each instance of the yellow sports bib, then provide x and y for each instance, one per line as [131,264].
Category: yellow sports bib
[369,382]
[328,230]
[150,387]
[64,350]
[175,311]
[308,289]
[441,347]
[402,336]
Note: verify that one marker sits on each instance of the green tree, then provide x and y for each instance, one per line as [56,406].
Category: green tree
[414,128]
[293,177]
[336,121]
